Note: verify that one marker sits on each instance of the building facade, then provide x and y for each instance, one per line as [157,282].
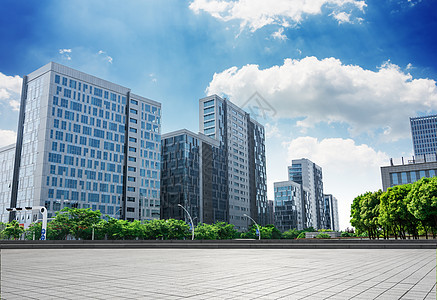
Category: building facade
[292,206]
[307,173]
[7,158]
[242,139]
[194,176]
[331,212]
[408,171]
[424,134]
[88,143]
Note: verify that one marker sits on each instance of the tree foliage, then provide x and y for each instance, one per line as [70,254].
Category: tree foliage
[401,211]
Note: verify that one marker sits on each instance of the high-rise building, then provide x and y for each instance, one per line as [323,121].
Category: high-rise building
[193,175]
[7,157]
[309,174]
[408,171]
[424,134]
[300,202]
[331,212]
[292,206]
[242,139]
[88,143]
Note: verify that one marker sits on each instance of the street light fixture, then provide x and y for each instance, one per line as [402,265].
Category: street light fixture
[192,224]
[259,232]
[42,210]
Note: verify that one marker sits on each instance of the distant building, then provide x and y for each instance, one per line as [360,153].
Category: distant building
[300,202]
[292,206]
[307,173]
[194,176]
[424,134]
[243,140]
[331,212]
[270,212]
[408,171]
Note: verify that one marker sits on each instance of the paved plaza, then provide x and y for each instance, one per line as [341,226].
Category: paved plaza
[218,274]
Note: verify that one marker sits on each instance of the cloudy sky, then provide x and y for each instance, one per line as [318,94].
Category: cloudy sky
[336,80]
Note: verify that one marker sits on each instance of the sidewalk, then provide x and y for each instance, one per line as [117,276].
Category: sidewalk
[218,274]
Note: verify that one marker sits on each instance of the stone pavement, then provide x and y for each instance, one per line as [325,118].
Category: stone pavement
[218,274]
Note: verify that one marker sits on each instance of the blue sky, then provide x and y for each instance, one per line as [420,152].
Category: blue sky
[342,76]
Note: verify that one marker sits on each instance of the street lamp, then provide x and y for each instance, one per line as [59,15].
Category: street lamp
[192,224]
[259,232]
[42,210]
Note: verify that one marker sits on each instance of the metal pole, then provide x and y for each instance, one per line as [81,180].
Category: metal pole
[92,235]
[259,236]
[192,224]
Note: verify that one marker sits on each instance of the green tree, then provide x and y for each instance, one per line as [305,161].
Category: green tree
[422,202]
[291,234]
[34,230]
[13,230]
[75,221]
[394,214]
[356,219]
[225,231]
[370,213]
[206,232]
[301,235]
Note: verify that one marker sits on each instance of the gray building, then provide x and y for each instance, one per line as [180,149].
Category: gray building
[88,143]
[7,158]
[331,212]
[292,206]
[408,171]
[242,138]
[424,134]
[194,175]
[307,173]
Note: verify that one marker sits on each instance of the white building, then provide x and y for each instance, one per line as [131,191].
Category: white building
[88,143]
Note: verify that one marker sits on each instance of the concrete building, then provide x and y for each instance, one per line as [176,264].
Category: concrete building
[88,143]
[242,138]
[193,175]
[331,212]
[424,134]
[307,173]
[408,171]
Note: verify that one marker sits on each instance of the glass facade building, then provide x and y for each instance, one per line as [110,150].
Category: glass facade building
[88,143]
[424,134]
[291,206]
[331,212]
[194,176]
[242,139]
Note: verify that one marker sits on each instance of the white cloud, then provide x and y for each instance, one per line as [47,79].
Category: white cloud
[10,90]
[328,91]
[256,14]
[342,17]
[65,53]
[7,137]
[279,34]
[271,130]
[348,169]
[105,56]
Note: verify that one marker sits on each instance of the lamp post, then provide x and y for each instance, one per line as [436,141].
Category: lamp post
[192,224]
[42,210]
[259,231]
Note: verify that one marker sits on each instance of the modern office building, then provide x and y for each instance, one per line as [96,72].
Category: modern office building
[292,206]
[331,212]
[300,202]
[7,157]
[307,173]
[424,134]
[408,171]
[88,143]
[242,138]
[194,175]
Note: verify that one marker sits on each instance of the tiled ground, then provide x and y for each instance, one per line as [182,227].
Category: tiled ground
[218,274]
